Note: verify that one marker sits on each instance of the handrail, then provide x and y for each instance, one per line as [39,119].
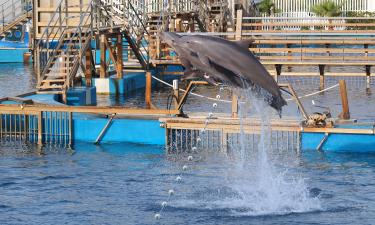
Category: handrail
[45,32]
[78,33]
[308,18]
[11,10]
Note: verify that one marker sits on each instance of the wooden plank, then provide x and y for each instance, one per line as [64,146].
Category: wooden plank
[306,24]
[311,50]
[314,63]
[35,109]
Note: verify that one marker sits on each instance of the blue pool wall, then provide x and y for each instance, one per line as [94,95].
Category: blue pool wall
[87,128]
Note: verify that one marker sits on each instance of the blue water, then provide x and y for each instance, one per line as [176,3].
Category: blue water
[126,183]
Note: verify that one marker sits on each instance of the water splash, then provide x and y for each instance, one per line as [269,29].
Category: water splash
[261,186]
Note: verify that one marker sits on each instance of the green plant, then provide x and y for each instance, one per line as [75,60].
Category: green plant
[327,8]
[267,7]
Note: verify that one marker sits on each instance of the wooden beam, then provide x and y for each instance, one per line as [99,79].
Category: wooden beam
[103,54]
[368,79]
[112,54]
[238,35]
[89,67]
[321,76]
[35,109]
[234,106]
[148,90]
[40,127]
[345,114]
[119,56]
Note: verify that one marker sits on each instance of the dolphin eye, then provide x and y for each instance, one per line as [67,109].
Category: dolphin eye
[194,54]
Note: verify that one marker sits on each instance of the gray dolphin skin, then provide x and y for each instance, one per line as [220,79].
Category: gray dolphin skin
[218,60]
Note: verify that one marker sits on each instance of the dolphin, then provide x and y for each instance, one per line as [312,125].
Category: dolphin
[227,62]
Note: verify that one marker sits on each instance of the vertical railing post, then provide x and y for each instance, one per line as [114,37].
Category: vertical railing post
[40,128]
[2,11]
[14,10]
[103,62]
[176,93]
[234,105]
[148,90]
[239,25]
[119,56]
[66,14]
[345,114]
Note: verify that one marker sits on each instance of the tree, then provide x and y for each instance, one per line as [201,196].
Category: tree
[327,8]
[267,7]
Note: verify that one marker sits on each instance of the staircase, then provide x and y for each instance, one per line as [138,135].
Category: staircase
[14,13]
[61,50]
[121,14]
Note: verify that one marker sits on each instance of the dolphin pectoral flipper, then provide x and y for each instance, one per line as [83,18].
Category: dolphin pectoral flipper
[191,75]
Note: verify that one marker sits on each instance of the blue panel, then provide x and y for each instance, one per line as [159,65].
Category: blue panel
[12,55]
[340,142]
[79,96]
[88,128]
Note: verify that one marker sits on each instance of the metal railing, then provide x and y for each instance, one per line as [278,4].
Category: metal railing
[53,42]
[11,10]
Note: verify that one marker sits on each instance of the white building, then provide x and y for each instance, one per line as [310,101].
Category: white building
[303,7]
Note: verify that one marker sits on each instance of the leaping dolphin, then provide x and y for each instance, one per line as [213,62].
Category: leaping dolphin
[221,61]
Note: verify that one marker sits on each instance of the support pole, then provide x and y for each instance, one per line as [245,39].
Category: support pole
[234,106]
[176,93]
[105,129]
[345,114]
[239,25]
[321,77]
[148,90]
[368,78]
[119,56]
[40,128]
[103,61]
[89,66]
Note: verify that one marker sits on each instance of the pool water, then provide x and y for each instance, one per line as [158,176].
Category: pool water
[126,183]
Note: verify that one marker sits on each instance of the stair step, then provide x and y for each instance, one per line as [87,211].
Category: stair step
[53,81]
[48,92]
[50,87]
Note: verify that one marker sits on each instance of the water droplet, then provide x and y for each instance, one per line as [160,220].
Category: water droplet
[214,105]
[171,192]
[190,158]
[199,139]
[164,204]
[178,178]
[218,96]
[185,167]
[221,88]
[194,149]
[157,216]
[210,115]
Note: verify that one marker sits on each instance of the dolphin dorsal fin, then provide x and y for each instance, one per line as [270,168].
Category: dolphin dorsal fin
[244,43]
